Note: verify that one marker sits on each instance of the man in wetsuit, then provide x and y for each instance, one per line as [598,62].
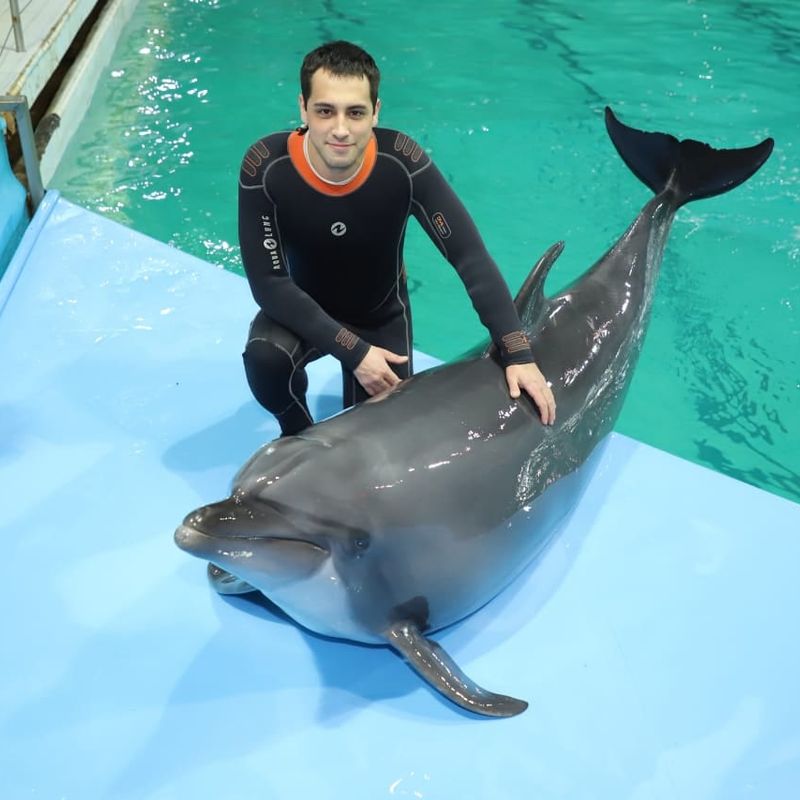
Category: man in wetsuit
[322,219]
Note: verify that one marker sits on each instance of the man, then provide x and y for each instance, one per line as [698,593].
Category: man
[322,218]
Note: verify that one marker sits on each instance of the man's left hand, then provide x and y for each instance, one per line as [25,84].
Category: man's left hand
[530,378]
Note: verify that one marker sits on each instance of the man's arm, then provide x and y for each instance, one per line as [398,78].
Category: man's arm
[272,286]
[450,227]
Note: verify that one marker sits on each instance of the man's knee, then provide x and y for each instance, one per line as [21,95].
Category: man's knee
[266,357]
[275,377]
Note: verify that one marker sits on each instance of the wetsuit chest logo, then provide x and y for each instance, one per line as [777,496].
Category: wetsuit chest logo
[338,229]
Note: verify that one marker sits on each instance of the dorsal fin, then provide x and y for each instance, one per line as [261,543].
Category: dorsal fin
[530,297]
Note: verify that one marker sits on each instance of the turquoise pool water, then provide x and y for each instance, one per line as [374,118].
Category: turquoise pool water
[508,98]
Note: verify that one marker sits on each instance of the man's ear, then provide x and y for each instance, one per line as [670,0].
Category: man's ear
[376,112]
[302,105]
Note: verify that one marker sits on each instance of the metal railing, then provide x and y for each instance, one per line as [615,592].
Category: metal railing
[18,106]
[16,25]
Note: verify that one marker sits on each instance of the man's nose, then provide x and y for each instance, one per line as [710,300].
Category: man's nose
[340,129]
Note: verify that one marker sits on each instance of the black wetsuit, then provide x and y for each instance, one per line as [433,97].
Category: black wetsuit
[325,264]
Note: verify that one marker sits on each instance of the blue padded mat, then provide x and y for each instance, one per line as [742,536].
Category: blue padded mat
[656,639]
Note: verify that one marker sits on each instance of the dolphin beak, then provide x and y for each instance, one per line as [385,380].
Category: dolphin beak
[190,540]
[256,549]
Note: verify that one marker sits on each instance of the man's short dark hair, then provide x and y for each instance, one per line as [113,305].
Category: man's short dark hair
[344,60]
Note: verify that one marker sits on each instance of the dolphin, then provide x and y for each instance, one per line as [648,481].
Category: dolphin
[403,515]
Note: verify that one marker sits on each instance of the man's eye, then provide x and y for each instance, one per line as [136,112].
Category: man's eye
[356,114]
[323,112]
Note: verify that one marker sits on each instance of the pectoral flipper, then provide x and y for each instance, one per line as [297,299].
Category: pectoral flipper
[432,663]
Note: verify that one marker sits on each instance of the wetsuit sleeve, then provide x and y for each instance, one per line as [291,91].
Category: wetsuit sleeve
[450,227]
[273,289]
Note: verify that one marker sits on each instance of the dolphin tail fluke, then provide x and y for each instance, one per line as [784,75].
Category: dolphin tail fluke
[692,169]
[433,664]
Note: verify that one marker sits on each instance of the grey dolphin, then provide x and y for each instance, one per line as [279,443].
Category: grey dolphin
[407,513]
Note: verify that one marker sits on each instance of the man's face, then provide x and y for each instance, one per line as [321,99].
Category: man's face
[340,119]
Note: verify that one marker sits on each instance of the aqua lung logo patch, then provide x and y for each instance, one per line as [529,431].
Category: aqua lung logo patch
[440,223]
[270,242]
[338,229]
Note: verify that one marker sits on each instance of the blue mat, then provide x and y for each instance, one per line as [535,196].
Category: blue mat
[656,639]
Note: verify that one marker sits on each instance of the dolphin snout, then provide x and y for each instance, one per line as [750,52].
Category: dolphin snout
[233,524]
[229,519]
[201,529]
[210,516]
[186,538]
[195,542]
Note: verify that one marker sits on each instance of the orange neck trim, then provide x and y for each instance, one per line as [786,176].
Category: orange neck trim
[298,158]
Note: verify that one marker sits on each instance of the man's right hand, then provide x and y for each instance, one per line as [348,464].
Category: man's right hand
[374,372]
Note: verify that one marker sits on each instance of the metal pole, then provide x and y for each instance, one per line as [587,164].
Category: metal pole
[18,105]
[16,22]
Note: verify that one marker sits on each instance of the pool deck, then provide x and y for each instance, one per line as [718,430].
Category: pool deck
[656,639]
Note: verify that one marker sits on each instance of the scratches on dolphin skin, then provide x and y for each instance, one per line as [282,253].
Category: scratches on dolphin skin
[627,301]
[595,339]
[505,415]
[600,332]
[378,487]
[551,462]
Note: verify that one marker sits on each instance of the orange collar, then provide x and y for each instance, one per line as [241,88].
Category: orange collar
[356,182]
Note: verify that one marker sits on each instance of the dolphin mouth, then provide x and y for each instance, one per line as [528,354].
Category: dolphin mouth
[267,563]
[197,542]
[192,540]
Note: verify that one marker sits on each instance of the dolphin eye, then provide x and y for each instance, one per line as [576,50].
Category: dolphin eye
[361,543]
